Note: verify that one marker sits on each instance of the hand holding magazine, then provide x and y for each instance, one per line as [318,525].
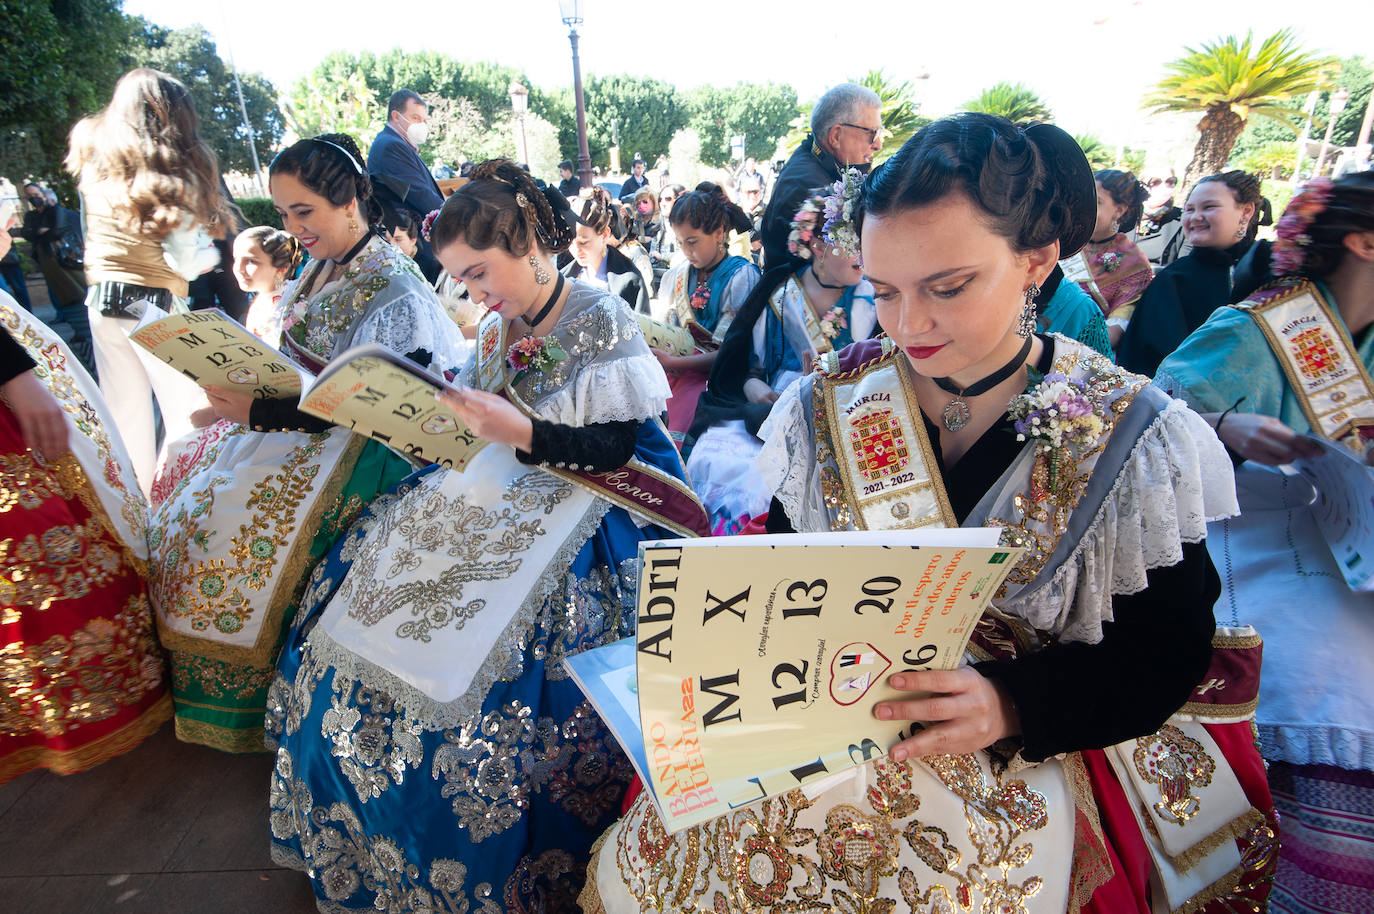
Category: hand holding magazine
[377,393]
[214,350]
[1344,509]
[757,660]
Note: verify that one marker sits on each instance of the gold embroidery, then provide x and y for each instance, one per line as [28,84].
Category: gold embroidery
[63,563]
[59,684]
[1176,763]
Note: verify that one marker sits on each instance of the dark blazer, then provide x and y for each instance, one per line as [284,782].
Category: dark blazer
[810,167]
[395,165]
[622,276]
[632,186]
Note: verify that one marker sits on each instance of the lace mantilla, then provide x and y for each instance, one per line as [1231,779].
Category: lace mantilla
[411,324]
[1175,480]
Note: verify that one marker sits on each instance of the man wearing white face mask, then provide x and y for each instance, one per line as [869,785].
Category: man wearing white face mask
[401,181]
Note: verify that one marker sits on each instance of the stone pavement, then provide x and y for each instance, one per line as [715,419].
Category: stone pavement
[168,828]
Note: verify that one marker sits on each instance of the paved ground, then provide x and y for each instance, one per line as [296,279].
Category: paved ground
[168,828]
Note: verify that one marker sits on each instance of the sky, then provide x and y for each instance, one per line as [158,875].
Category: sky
[1091,60]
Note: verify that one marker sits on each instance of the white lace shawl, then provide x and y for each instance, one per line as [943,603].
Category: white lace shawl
[1175,480]
[609,376]
[415,321]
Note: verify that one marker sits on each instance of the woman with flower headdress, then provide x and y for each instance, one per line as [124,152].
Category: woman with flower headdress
[244,517]
[433,753]
[1111,268]
[1020,790]
[791,318]
[704,291]
[1267,373]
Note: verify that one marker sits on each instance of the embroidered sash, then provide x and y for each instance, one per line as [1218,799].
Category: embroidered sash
[639,487]
[1318,357]
[791,295]
[868,422]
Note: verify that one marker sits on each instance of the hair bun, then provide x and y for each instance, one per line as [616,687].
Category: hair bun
[1068,167]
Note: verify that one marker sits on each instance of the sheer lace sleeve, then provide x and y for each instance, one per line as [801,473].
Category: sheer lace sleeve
[1176,480]
[414,323]
[787,463]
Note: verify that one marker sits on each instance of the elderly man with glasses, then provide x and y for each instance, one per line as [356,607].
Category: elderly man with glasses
[846,130]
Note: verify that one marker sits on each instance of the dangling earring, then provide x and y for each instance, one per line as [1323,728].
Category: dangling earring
[541,275]
[724,246]
[352,226]
[1026,325]
[1242,232]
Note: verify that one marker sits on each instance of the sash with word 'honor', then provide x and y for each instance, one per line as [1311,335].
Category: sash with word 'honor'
[638,487]
[1318,357]
[869,424]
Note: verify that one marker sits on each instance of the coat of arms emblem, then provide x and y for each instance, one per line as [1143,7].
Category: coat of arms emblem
[879,444]
[1316,353]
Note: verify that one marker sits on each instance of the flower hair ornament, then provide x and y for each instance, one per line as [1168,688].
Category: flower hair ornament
[1292,234]
[829,216]
[428,223]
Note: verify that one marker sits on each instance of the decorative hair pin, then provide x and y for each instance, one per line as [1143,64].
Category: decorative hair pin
[829,216]
[357,166]
[428,223]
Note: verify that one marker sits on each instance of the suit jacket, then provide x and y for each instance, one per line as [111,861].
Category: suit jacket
[810,167]
[622,277]
[402,177]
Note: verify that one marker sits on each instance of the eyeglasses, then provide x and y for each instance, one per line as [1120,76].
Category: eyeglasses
[666,199]
[871,131]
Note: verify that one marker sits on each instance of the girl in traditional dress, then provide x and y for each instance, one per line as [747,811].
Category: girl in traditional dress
[594,260]
[83,677]
[252,512]
[704,292]
[150,191]
[1110,267]
[433,753]
[1021,790]
[1267,373]
[1221,218]
[263,258]
[791,318]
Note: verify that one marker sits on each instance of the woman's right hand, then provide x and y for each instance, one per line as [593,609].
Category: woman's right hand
[1265,439]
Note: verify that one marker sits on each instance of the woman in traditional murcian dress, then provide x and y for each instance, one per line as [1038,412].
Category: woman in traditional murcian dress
[790,318]
[433,754]
[703,291]
[1316,722]
[1021,791]
[83,677]
[253,511]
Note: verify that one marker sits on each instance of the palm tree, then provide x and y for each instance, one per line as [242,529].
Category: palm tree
[1013,101]
[1098,154]
[1230,80]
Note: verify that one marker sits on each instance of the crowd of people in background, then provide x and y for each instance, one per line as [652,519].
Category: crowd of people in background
[394,631]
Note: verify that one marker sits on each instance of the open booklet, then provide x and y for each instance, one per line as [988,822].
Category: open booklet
[214,350]
[661,335]
[377,393]
[757,660]
[1344,509]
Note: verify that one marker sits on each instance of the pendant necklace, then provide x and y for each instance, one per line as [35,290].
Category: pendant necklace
[956,412]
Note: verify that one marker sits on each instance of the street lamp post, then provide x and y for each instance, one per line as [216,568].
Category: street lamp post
[1309,109]
[520,103]
[571,12]
[1339,98]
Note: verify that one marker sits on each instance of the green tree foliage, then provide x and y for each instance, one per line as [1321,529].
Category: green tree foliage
[1230,80]
[1013,101]
[321,103]
[1099,154]
[56,71]
[647,113]
[761,113]
[1272,160]
[191,56]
